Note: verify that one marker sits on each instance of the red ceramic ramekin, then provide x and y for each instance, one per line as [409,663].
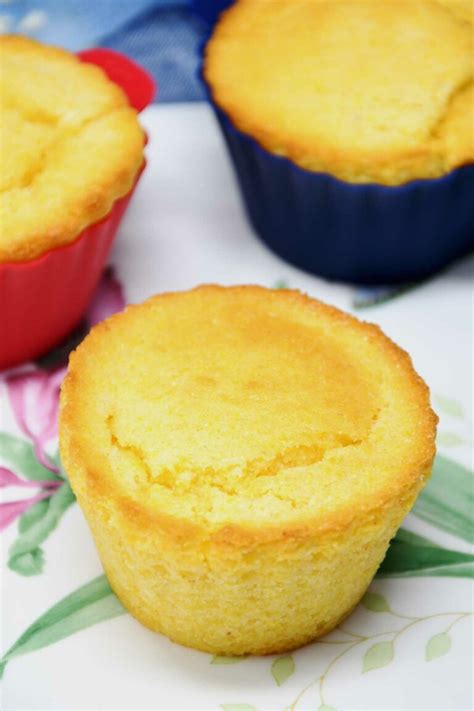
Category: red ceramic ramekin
[43,299]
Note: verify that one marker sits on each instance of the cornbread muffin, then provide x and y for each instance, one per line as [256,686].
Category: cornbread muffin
[70,146]
[366,90]
[243,457]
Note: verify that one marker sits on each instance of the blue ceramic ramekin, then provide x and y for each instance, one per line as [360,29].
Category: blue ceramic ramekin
[360,233]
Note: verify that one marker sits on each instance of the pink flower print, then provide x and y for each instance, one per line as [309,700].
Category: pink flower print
[11,510]
[107,300]
[34,399]
[8,478]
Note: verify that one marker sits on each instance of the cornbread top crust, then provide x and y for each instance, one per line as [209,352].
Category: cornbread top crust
[243,413]
[70,146]
[367,90]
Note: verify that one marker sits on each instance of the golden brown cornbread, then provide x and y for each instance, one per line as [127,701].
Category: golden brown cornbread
[243,457]
[463,8]
[367,90]
[70,145]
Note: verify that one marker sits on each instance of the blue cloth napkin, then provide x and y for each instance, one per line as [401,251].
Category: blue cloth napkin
[162,35]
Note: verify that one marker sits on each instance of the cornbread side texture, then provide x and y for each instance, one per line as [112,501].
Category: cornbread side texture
[367,90]
[70,145]
[243,457]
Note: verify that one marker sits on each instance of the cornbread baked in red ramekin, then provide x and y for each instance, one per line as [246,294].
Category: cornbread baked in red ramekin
[72,154]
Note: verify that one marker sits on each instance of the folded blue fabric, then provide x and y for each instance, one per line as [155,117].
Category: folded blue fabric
[162,35]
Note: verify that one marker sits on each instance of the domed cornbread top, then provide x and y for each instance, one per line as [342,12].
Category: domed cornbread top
[369,91]
[70,146]
[243,412]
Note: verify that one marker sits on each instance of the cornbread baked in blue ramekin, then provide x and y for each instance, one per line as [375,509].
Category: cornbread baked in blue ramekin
[350,125]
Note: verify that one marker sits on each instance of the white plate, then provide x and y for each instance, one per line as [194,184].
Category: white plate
[409,647]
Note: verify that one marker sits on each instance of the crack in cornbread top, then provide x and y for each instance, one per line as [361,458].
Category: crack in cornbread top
[70,146]
[243,405]
[367,90]
[232,478]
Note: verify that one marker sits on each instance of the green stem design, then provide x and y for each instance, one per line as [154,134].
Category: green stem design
[322,679]
[360,639]
[25,555]
[458,619]
[352,634]
[402,617]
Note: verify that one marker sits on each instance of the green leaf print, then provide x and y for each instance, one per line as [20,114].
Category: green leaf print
[30,563]
[422,558]
[33,515]
[90,604]
[414,539]
[448,406]
[283,668]
[448,499]
[56,459]
[437,646]
[377,656]
[325,707]
[37,530]
[20,455]
[217,659]
[375,602]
